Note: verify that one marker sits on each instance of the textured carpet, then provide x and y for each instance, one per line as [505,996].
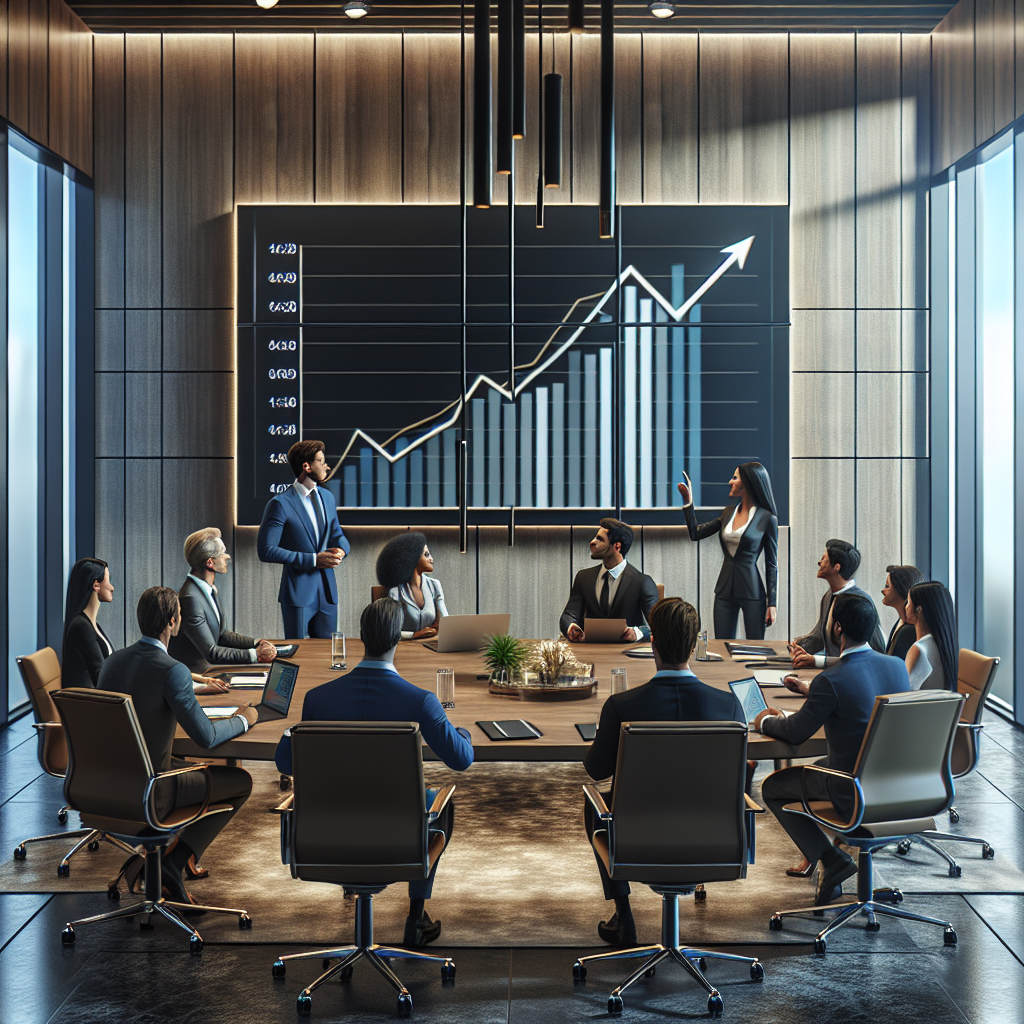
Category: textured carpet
[518,871]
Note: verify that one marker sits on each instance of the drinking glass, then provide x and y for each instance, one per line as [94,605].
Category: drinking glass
[338,651]
[446,687]
[619,684]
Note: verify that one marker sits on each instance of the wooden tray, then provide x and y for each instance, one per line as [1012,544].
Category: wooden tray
[535,691]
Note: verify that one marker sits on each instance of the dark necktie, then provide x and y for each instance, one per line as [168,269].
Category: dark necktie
[216,604]
[605,594]
[320,520]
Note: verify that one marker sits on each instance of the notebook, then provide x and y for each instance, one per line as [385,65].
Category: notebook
[513,729]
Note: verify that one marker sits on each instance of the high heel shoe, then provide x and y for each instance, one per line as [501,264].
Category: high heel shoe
[195,870]
[132,873]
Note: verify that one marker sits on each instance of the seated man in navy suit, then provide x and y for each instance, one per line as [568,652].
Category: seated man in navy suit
[674,694]
[841,699]
[374,692]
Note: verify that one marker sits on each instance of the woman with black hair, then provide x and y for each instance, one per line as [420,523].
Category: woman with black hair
[933,660]
[85,646]
[898,581]
[745,530]
[402,566]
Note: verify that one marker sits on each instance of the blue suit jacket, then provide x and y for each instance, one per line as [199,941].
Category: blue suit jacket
[286,536]
[380,695]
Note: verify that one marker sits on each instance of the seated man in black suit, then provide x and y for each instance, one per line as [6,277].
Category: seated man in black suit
[674,694]
[374,692]
[161,690]
[836,567]
[841,699]
[612,590]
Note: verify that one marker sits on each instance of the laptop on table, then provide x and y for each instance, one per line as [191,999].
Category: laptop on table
[467,632]
[603,631]
[751,697]
[277,694]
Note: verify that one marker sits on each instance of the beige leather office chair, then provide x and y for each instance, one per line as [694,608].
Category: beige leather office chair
[40,672]
[975,675]
[111,783]
[377,592]
[902,779]
[363,837]
[661,591]
[674,837]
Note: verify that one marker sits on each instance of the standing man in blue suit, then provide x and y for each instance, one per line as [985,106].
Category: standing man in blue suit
[300,529]
[374,692]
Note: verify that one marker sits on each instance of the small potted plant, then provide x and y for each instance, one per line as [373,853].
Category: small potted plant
[506,657]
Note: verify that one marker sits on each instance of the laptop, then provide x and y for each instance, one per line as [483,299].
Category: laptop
[467,632]
[277,694]
[603,631]
[751,697]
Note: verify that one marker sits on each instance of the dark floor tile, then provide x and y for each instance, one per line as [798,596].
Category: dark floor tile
[18,768]
[162,986]
[15,912]
[1004,914]
[1007,735]
[1005,774]
[16,733]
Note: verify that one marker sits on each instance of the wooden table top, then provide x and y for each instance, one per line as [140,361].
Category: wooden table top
[473,703]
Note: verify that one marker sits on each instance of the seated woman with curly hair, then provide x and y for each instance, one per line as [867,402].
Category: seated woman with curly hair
[401,567]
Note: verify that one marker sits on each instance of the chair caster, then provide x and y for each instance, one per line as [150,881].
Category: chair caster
[448,971]
[63,869]
[716,1004]
[146,923]
[114,894]
[94,846]
[649,973]
[286,782]
[345,973]
[404,1004]
[700,894]
[820,946]
[903,847]
[579,972]
[757,971]
[702,963]
[615,1004]
[20,853]
[62,816]
[245,922]
[988,852]
[195,944]
[949,937]
[818,913]
[277,971]
[775,923]
[872,926]
[67,937]
[955,871]
[304,1004]
[954,815]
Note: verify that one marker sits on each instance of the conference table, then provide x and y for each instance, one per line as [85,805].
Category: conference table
[556,720]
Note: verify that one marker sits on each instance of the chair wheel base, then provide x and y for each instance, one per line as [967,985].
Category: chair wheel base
[67,937]
[245,922]
[949,937]
[579,972]
[757,971]
[278,970]
[94,846]
[615,1004]
[404,1004]
[955,871]
[775,923]
[20,853]
[716,1004]
[63,869]
[820,946]
[62,817]
[988,852]
[195,945]
[903,847]
[872,926]
[448,971]
[345,973]
[649,973]
[700,894]
[702,963]
[304,1004]
[954,815]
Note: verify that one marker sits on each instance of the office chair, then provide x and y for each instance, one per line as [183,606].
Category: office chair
[111,783]
[40,672]
[975,675]
[674,837]
[362,837]
[377,592]
[901,780]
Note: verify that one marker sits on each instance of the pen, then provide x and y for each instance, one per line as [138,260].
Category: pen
[499,728]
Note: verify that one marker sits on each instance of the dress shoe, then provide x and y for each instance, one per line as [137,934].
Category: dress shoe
[420,930]
[802,872]
[193,869]
[175,891]
[617,934]
[831,878]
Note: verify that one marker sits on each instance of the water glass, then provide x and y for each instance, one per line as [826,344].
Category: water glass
[619,684]
[338,651]
[446,687]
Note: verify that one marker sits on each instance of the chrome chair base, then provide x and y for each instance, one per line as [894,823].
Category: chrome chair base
[90,838]
[930,839]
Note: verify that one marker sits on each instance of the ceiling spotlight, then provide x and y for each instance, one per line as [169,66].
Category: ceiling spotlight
[356,9]
[662,9]
[267,4]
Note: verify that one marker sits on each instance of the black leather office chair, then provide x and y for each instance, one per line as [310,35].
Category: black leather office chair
[112,785]
[901,780]
[673,837]
[362,837]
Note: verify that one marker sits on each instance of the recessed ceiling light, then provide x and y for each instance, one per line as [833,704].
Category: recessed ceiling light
[356,9]
[662,9]
[266,4]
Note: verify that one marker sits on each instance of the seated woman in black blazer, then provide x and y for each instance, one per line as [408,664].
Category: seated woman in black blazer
[85,646]
[898,581]
[745,530]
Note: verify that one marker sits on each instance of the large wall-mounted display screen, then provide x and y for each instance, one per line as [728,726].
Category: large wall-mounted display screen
[631,359]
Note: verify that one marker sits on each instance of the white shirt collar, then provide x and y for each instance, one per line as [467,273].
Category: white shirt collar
[155,641]
[843,590]
[614,573]
[206,586]
[382,666]
[303,490]
[855,650]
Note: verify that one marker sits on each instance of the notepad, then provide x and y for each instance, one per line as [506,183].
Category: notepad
[512,729]
[770,678]
[244,682]
[216,713]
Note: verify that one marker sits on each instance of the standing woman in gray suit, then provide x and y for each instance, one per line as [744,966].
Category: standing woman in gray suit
[402,567]
[745,530]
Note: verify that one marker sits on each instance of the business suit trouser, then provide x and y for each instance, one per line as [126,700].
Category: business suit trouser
[230,786]
[727,613]
[593,823]
[422,888]
[786,787]
[312,620]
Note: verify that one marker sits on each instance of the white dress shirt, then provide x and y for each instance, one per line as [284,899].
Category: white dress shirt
[613,586]
[731,537]
[820,660]
[308,495]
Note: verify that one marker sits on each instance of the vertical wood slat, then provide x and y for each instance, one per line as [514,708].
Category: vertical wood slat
[879,172]
[256,608]
[198,416]
[198,184]
[629,117]
[109,170]
[879,537]
[744,113]
[4,57]
[822,171]
[879,339]
[143,339]
[143,171]
[670,117]
[953,86]
[431,104]
[527,149]
[1018,46]
[916,168]
[110,540]
[273,118]
[70,86]
[994,67]
[822,339]
[198,339]
[359,118]
[38,71]
[18,80]
[879,427]
[822,407]
[142,536]
[585,100]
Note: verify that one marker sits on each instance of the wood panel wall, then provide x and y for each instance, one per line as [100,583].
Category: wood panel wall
[838,127]
[47,75]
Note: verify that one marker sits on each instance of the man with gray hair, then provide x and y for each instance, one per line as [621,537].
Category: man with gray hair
[203,639]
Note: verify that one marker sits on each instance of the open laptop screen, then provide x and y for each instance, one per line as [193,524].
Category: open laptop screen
[277,694]
[750,696]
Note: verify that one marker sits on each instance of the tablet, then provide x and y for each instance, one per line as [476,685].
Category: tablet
[751,697]
[603,631]
[587,731]
[512,729]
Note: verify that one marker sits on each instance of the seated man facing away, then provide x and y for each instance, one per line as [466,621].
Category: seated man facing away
[161,690]
[841,699]
[612,590]
[203,639]
[374,692]
[674,694]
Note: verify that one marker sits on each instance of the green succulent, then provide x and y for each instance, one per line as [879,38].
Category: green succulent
[503,652]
